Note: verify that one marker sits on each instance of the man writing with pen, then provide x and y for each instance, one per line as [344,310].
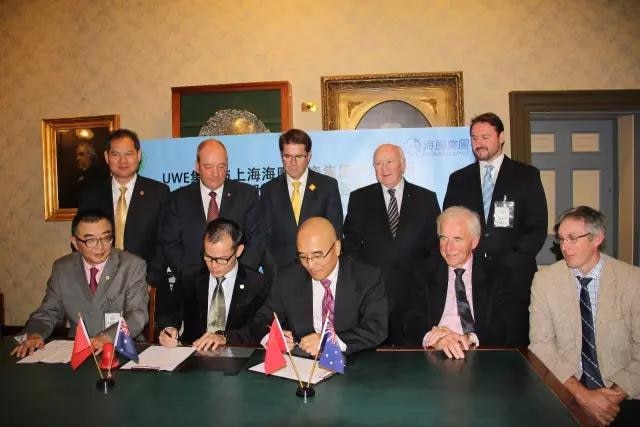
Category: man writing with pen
[216,300]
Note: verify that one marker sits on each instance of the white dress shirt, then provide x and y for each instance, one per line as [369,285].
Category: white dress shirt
[206,198]
[303,183]
[496,163]
[398,195]
[115,193]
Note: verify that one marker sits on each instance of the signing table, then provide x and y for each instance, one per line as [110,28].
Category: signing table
[390,388]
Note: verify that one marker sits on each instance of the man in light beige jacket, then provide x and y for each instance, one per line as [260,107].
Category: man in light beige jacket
[585,319]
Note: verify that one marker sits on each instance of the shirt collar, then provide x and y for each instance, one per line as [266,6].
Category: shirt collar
[205,190]
[595,272]
[115,185]
[230,277]
[466,266]
[496,163]
[303,179]
[399,186]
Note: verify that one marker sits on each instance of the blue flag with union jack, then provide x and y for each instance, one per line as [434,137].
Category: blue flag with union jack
[124,344]
[331,357]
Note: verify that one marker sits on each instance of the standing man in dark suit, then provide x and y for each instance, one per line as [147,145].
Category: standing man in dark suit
[217,301]
[460,299]
[293,197]
[134,203]
[326,285]
[97,281]
[509,198]
[392,225]
[190,208]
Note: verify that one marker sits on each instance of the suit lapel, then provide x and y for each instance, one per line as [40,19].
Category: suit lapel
[406,211]
[196,202]
[345,295]
[438,290]
[283,199]
[480,289]
[476,191]
[567,291]
[606,294]
[309,196]
[380,209]
[502,187]
[82,277]
[202,296]
[238,296]
[108,273]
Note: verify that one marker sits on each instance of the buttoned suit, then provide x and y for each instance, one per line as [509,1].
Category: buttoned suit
[184,223]
[122,289]
[321,198]
[367,237]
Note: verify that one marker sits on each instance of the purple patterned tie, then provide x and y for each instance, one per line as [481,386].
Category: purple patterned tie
[327,301]
[93,283]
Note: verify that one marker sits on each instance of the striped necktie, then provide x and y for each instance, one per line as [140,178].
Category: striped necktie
[591,377]
[392,212]
[464,309]
[487,191]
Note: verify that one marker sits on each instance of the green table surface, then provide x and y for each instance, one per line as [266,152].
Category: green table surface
[385,388]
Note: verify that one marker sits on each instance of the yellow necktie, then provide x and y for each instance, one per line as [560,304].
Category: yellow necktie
[296,200]
[121,218]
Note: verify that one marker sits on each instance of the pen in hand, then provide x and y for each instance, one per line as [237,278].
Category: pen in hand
[178,343]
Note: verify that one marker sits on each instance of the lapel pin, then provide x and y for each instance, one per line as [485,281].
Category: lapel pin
[241,286]
[107,277]
[228,194]
[141,193]
[312,187]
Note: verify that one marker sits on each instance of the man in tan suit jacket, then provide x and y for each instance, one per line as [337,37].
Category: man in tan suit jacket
[589,291]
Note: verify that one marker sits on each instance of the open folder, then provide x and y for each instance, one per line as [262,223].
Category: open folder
[158,358]
[304,367]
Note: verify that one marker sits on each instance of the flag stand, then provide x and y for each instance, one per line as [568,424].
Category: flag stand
[305,391]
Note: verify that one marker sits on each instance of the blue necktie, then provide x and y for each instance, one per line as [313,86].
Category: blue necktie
[591,377]
[487,191]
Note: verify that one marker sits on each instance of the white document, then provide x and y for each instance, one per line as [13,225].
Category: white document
[160,358]
[304,367]
[58,351]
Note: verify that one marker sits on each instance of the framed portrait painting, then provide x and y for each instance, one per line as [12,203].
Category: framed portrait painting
[377,101]
[72,157]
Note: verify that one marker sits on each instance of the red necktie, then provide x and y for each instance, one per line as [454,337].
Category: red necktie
[93,283]
[327,301]
[213,211]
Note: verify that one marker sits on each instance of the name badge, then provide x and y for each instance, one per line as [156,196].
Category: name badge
[504,213]
[110,319]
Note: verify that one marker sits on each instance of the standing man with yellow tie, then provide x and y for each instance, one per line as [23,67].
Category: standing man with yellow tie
[308,193]
[134,204]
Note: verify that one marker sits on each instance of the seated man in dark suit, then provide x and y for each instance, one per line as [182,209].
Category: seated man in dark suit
[289,199]
[459,300]
[97,281]
[218,302]
[324,284]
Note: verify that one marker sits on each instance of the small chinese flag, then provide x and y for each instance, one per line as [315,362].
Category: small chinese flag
[81,345]
[274,359]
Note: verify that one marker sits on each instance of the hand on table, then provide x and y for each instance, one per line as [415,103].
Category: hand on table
[209,341]
[453,344]
[28,346]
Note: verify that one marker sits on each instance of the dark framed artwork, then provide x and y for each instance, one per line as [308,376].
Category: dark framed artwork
[241,108]
[375,101]
[72,156]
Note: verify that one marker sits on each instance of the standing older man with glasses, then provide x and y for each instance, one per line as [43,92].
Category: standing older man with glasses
[289,199]
[218,300]
[326,285]
[585,320]
[97,281]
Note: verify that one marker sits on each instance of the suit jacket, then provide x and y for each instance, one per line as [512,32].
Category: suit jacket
[488,289]
[360,312]
[122,288]
[141,231]
[556,329]
[192,297]
[184,223]
[321,198]
[367,237]
[517,247]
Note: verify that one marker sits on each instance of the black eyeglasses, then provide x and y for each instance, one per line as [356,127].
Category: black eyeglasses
[218,260]
[569,239]
[316,256]
[92,242]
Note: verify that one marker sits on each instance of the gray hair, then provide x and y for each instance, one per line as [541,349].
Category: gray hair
[472,219]
[594,221]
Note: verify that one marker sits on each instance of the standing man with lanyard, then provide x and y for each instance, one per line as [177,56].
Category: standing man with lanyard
[509,198]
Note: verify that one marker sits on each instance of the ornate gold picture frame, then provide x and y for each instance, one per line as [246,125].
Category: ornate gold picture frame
[72,156]
[392,100]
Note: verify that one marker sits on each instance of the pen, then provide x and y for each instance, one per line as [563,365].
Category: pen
[164,331]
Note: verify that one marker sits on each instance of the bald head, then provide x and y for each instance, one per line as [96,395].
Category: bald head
[389,163]
[211,163]
[318,247]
